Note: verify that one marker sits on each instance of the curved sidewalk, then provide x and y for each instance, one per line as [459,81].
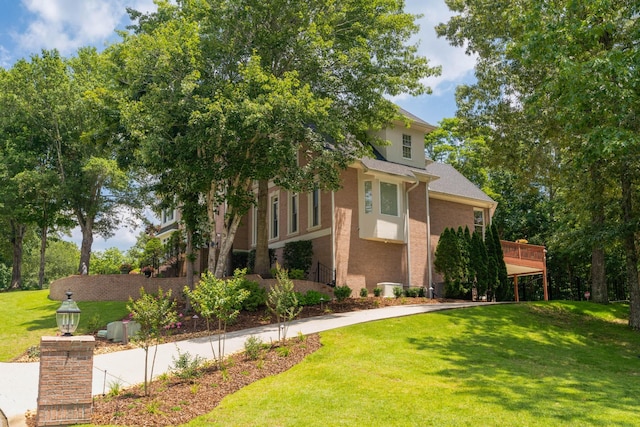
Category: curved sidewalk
[19,381]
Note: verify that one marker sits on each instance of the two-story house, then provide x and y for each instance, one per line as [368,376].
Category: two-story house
[383,225]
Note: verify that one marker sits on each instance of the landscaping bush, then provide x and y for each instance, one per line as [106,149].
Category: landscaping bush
[377,291]
[364,292]
[298,255]
[239,260]
[397,291]
[342,292]
[297,274]
[257,295]
[412,292]
[253,347]
[312,297]
[187,367]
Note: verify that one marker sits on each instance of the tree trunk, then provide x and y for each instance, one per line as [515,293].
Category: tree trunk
[189,258]
[18,231]
[599,292]
[211,218]
[86,226]
[262,262]
[226,243]
[630,250]
[43,250]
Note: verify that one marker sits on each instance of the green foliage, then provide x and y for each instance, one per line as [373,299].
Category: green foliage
[253,347]
[5,277]
[479,263]
[297,274]
[364,293]
[187,367]
[220,299]
[239,259]
[397,291]
[451,260]
[107,261]
[342,292]
[283,302]
[377,291]
[312,297]
[257,296]
[298,255]
[412,292]
[154,313]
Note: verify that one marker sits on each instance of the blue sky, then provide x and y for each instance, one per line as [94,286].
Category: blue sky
[27,26]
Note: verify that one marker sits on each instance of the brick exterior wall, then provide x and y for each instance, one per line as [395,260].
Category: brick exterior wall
[66,374]
[362,263]
[113,287]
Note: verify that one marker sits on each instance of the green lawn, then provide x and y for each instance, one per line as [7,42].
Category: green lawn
[539,364]
[25,316]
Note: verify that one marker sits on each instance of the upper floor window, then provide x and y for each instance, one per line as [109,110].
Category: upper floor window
[389,198]
[406,146]
[478,221]
[293,213]
[368,197]
[275,206]
[314,208]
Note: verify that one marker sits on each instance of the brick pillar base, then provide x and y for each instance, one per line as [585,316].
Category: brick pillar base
[66,376]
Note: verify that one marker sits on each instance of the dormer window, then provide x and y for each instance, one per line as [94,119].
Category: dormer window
[406,146]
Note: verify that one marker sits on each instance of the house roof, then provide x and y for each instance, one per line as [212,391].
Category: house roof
[415,119]
[389,167]
[451,182]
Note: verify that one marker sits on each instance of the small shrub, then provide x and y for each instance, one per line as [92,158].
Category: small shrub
[397,291]
[377,291]
[364,293]
[253,347]
[342,292]
[33,352]
[298,255]
[314,298]
[422,292]
[187,367]
[115,388]
[296,274]
[411,292]
[283,351]
[257,295]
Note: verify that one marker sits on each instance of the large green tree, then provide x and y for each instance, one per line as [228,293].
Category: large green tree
[242,87]
[557,83]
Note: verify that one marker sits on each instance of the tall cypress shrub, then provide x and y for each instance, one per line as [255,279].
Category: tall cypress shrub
[478,265]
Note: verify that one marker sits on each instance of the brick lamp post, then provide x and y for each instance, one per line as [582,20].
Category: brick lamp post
[66,372]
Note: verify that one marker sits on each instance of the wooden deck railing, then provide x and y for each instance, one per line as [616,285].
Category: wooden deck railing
[523,251]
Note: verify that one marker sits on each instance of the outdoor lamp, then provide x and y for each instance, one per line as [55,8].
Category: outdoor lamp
[68,316]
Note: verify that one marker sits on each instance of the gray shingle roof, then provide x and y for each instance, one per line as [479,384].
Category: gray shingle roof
[454,183]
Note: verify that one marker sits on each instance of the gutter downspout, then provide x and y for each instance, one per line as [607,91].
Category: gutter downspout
[429,260]
[407,231]
[333,236]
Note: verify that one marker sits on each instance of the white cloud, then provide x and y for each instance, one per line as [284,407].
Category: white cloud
[456,65]
[69,24]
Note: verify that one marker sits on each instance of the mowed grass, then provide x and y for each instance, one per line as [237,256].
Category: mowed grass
[533,364]
[26,316]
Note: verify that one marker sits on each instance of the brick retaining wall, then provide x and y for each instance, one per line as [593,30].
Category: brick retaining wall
[119,287]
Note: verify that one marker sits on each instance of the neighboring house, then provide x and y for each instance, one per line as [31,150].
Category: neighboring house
[383,225]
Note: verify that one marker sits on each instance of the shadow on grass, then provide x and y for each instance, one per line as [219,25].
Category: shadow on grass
[556,364]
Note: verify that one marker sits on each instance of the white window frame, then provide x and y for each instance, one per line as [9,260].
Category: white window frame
[313,209]
[482,225]
[294,213]
[368,196]
[274,216]
[406,146]
[397,201]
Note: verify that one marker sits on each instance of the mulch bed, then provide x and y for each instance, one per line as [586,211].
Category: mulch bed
[173,401]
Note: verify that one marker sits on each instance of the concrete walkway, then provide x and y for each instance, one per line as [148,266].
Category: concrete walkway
[19,381]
